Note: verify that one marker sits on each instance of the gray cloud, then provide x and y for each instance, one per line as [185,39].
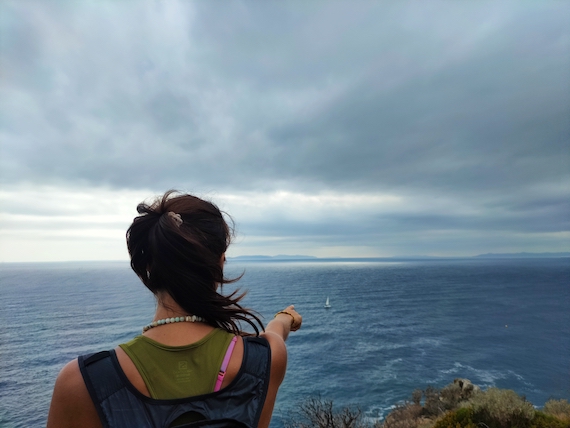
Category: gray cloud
[468,101]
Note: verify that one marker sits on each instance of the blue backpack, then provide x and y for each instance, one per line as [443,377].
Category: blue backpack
[120,405]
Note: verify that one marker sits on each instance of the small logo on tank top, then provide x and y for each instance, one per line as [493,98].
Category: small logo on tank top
[183,374]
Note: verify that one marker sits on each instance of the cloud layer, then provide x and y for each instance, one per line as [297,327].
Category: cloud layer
[406,127]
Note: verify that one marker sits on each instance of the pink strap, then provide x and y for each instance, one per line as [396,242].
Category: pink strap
[225,363]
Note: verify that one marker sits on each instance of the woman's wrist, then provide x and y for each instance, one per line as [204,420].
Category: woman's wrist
[294,326]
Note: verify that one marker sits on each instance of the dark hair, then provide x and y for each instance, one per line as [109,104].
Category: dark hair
[176,245]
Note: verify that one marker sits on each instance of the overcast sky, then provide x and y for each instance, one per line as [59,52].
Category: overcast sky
[327,128]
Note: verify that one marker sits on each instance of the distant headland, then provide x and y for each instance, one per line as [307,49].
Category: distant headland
[522,255]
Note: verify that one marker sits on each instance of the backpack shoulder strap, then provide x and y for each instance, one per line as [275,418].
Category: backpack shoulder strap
[97,370]
[258,365]
[116,401]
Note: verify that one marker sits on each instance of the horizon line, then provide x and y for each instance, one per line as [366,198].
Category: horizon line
[299,257]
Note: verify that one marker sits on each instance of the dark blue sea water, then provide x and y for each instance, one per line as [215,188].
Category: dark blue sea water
[393,326]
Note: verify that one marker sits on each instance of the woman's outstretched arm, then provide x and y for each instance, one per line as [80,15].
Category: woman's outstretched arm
[276,334]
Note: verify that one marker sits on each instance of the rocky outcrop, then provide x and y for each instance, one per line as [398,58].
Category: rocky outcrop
[466,387]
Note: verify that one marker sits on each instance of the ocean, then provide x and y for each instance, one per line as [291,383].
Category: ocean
[393,326]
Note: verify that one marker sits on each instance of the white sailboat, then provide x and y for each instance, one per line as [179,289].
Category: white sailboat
[327,303]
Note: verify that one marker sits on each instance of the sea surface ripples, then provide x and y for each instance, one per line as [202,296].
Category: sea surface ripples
[393,327]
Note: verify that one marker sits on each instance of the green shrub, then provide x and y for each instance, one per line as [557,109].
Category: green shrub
[542,420]
[460,418]
[501,408]
[449,397]
[558,408]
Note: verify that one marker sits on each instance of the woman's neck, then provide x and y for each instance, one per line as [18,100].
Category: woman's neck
[177,333]
[166,307]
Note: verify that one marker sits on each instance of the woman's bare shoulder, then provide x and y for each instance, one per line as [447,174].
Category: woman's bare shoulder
[71,405]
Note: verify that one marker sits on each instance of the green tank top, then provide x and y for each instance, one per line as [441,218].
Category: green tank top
[179,371]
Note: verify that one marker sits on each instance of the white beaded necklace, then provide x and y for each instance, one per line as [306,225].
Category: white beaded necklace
[188,318]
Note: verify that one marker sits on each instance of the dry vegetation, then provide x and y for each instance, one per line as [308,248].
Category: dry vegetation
[458,405]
